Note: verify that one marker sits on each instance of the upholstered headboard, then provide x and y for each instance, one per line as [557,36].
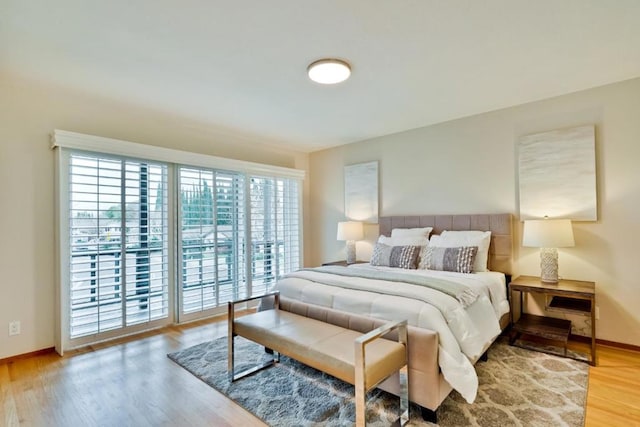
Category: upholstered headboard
[500,250]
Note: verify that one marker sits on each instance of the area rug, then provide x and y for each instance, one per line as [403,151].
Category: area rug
[518,387]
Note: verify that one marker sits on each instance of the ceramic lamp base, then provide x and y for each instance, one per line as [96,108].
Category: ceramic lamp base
[549,265]
[351,251]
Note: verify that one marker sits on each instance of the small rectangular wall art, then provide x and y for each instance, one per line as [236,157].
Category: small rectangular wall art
[361,192]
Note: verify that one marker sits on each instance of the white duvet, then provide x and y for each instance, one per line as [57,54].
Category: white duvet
[463,334]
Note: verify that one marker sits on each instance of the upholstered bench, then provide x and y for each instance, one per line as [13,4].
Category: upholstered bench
[361,360]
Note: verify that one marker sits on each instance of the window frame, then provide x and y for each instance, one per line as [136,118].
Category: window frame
[65,142]
[181,315]
[63,340]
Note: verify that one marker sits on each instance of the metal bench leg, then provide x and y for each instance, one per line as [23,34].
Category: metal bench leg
[230,367]
[360,373]
[231,351]
[403,416]
[233,376]
[230,341]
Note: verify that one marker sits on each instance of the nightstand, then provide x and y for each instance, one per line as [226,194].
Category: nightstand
[342,263]
[568,296]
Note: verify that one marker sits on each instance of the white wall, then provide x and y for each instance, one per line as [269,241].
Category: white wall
[470,166]
[29,112]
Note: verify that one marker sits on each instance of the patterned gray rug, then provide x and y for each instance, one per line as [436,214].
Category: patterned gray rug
[518,387]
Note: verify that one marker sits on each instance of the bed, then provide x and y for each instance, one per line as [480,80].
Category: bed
[448,332]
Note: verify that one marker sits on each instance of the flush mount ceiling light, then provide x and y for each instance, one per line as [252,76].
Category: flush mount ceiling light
[329,71]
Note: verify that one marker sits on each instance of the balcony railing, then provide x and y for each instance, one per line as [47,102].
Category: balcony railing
[102,268]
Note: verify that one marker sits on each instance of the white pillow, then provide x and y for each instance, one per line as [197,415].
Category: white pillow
[411,232]
[454,239]
[403,241]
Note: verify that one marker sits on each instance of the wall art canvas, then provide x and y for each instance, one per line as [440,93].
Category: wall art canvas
[557,174]
[361,192]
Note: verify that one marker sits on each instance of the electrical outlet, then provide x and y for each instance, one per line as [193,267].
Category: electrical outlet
[14,327]
[597,313]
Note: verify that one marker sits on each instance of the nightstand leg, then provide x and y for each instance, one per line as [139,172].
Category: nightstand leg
[513,335]
[593,332]
[521,303]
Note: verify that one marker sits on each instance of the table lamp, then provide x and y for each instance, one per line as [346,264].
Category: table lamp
[548,235]
[350,231]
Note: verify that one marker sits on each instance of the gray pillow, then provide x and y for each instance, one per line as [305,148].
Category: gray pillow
[395,256]
[459,259]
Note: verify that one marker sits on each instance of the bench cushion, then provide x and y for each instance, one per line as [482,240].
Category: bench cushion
[326,347]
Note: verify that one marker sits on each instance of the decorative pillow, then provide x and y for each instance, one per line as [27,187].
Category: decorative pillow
[403,241]
[411,232]
[458,259]
[395,256]
[455,239]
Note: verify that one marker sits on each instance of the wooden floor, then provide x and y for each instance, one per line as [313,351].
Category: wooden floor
[133,383]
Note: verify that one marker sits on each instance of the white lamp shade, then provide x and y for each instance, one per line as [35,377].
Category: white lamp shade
[548,233]
[350,230]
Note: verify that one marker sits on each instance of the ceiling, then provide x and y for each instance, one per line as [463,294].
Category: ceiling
[240,66]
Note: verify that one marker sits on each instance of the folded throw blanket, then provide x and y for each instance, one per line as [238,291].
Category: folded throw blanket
[464,294]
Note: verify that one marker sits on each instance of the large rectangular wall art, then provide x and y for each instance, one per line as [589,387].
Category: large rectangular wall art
[361,192]
[558,174]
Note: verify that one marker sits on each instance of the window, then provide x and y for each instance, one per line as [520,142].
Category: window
[118,248]
[212,234]
[149,236]
[214,237]
[275,230]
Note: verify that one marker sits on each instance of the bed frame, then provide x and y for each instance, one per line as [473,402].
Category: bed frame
[427,386]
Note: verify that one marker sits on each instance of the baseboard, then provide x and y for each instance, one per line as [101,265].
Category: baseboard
[583,339]
[27,355]
[578,338]
[619,345]
[120,339]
